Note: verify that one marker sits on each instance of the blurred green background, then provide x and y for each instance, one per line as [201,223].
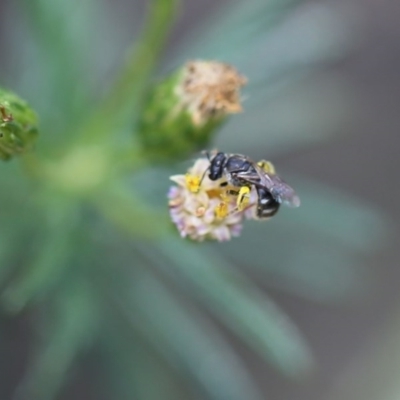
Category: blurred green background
[304,306]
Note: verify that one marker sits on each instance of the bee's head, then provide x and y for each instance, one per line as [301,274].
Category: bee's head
[217,166]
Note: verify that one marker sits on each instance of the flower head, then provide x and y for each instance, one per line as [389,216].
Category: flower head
[210,89]
[182,112]
[202,209]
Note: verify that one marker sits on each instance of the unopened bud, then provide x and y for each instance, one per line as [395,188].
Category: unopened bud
[18,125]
[183,111]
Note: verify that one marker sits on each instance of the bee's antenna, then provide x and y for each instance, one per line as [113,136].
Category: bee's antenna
[204,173]
[208,155]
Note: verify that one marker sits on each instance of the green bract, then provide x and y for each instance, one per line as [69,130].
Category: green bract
[18,125]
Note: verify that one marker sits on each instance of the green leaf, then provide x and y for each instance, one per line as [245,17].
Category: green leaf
[346,219]
[8,246]
[131,366]
[21,227]
[235,301]
[57,51]
[72,329]
[188,341]
[40,276]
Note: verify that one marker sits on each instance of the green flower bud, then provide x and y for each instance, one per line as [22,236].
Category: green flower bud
[183,111]
[18,125]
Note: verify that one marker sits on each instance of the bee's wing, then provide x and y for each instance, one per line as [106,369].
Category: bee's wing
[280,190]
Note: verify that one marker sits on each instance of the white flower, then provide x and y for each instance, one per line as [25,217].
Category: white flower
[202,209]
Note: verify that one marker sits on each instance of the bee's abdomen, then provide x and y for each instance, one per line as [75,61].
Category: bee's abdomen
[267,206]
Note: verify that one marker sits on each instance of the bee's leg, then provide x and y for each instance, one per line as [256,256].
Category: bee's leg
[243,198]
[242,201]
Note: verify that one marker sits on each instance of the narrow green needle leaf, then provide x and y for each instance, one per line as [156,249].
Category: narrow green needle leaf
[238,303]
[59,40]
[346,219]
[8,245]
[132,366]
[188,341]
[132,81]
[73,328]
[47,268]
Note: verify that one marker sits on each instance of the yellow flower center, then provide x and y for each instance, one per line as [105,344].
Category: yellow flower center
[221,211]
[192,183]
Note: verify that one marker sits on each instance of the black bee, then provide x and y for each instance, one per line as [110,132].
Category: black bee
[240,171]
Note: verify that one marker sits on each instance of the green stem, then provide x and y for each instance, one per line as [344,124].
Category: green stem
[130,86]
[131,215]
[130,160]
